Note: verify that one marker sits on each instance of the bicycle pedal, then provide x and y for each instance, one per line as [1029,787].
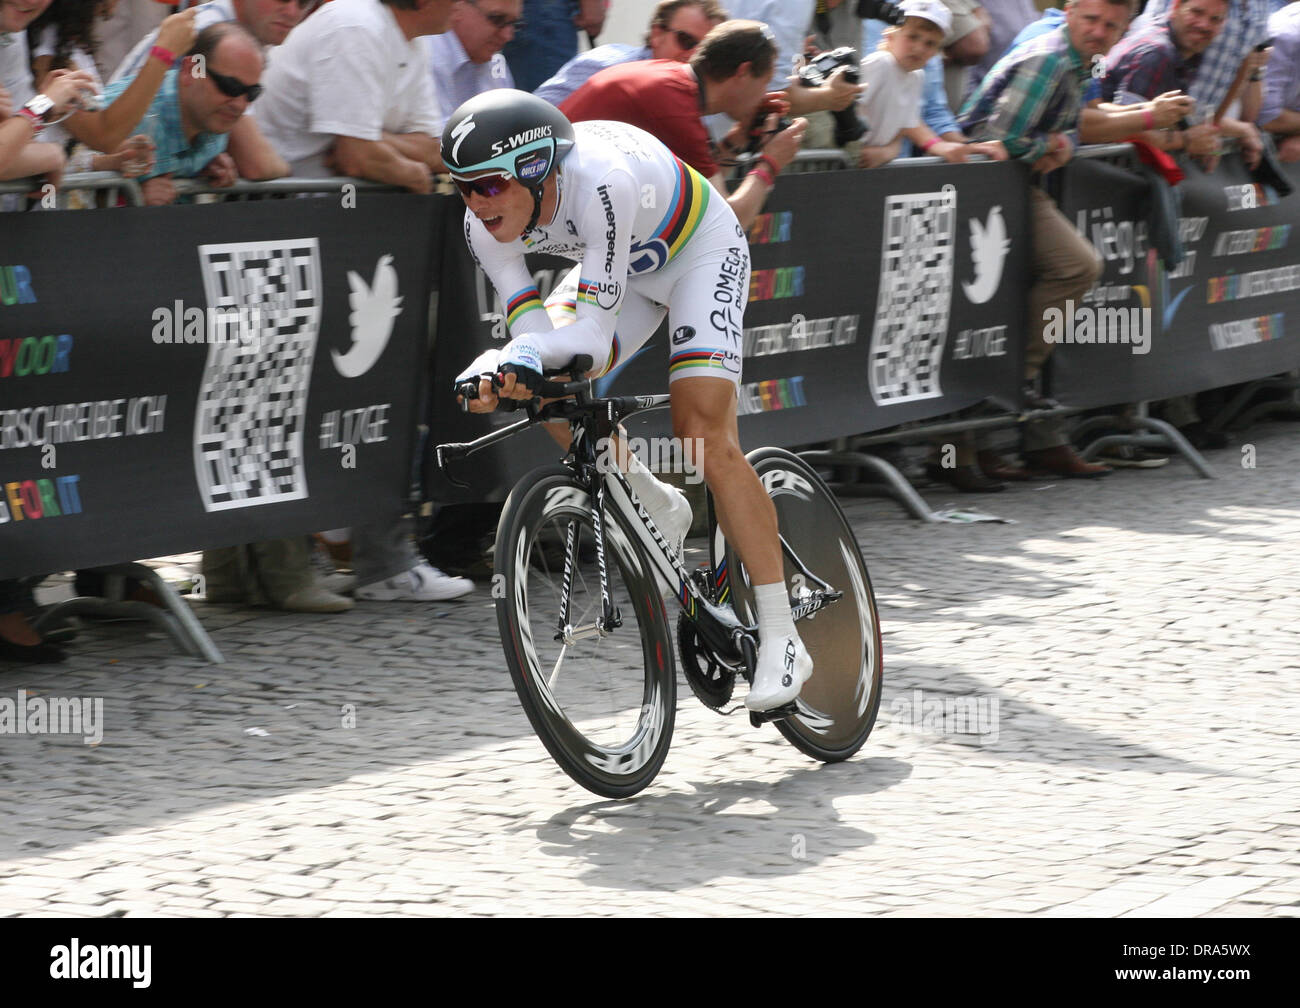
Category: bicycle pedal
[760,718]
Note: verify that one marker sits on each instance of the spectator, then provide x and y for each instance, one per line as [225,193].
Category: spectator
[118,33]
[199,104]
[1280,110]
[1031,102]
[268,21]
[551,38]
[935,110]
[676,28]
[1231,66]
[102,129]
[467,59]
[1006,18]
[789,21]
[728,73]
[350,93]
[966,43]
[1165,56]
[894,79]
[63,38]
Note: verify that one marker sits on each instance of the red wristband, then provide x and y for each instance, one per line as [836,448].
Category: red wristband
[771,165]
[37,122]
[929,143]
[764,176]
[166,55]
[1148,120]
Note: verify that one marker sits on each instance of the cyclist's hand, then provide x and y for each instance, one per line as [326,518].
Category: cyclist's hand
[519,374]
[479,374]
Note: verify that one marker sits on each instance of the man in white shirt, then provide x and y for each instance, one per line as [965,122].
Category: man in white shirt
[350,93]
[467,60]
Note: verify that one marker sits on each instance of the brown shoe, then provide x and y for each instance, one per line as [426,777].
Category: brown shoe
[967,479]
[994,466]
[1063,461]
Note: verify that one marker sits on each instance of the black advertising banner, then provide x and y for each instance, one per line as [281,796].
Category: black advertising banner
[876,298]
[1146,332]
[182,377]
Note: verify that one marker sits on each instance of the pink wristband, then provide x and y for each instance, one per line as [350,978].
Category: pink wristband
[929,143]
[1148,120]
[764,176]
[166,55]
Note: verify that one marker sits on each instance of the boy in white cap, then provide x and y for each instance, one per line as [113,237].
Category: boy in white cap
[895,77]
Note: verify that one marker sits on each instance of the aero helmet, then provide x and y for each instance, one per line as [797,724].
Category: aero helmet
[509,133]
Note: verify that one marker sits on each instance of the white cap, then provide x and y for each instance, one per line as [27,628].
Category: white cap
[931,10]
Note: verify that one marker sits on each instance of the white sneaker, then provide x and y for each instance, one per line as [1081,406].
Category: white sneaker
[421,583]
[783,667]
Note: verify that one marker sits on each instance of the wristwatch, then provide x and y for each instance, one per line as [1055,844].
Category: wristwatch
[37,110]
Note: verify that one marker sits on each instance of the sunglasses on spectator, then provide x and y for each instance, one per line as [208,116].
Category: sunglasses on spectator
[498,20]
[486,186]
[233,88]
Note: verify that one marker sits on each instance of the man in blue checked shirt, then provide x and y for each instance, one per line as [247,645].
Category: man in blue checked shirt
[1031,102]
[200,101]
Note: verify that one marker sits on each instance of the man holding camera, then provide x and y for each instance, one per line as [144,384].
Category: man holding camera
[728,73]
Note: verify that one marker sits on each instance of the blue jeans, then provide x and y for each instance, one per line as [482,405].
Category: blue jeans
[548,41]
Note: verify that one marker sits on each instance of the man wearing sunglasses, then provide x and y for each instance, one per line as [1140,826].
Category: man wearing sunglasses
[200,102]
[466,59]
[676,28]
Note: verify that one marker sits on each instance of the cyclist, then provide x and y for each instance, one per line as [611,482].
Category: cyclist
[650,236]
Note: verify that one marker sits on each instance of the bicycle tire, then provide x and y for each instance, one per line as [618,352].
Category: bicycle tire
[838,705]
[603,707]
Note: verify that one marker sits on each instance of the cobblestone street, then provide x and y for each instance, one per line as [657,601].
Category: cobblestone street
[1129,645]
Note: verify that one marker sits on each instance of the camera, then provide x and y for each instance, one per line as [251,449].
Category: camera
[814,73]
[881,10]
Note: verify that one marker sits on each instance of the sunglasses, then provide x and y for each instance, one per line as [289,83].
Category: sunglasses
[498,20]
[685,40]
[234,88]
[486,186]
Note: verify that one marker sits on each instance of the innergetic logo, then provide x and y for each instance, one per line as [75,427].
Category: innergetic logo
[988,251]
[374,308]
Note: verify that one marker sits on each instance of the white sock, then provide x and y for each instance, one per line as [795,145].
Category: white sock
[653,492]
[774,619]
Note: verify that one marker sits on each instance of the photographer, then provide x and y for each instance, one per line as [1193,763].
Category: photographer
[728,73]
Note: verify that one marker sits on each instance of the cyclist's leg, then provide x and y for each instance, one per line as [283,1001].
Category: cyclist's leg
[638,318]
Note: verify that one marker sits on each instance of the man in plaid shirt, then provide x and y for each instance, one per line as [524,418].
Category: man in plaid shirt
[1030,101]
[1169,54]
[1230,54]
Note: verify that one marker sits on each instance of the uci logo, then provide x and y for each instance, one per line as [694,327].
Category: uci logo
[607,294]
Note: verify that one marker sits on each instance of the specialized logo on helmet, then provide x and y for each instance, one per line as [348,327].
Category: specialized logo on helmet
[462,130]
[519,139]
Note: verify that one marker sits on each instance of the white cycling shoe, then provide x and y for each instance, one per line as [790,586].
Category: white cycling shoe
[783,667]
[674,521]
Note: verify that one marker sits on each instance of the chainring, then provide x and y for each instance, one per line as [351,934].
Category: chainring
[710,680]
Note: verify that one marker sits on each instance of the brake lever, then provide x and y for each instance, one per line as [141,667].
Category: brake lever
[453,451]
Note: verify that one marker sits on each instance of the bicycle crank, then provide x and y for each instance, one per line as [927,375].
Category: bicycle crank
[710,679]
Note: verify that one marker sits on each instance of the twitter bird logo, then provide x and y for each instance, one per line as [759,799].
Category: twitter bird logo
[373,310]
[988,251]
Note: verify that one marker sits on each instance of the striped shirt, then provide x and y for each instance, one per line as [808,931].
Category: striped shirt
[1145,64]
[1031,92]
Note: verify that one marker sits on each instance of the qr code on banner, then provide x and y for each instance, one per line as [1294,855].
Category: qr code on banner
[915,296]
[263,311]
